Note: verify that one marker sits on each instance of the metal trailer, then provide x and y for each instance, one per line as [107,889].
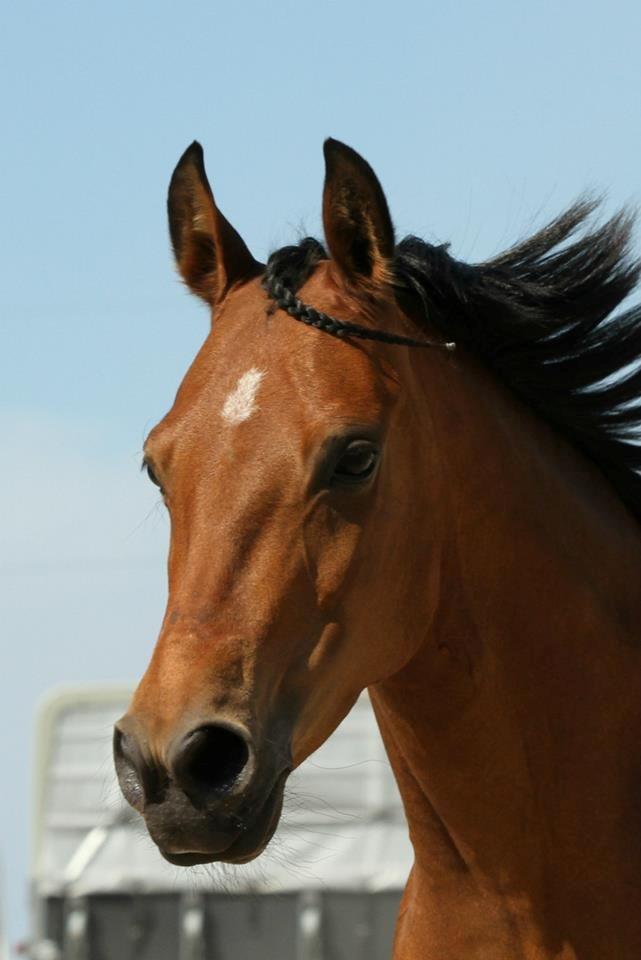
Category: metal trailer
[327,888]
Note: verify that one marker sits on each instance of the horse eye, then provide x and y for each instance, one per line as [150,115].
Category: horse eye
[357,462]
[152,476]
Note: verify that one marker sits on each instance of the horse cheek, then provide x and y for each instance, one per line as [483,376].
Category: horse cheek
[331,548]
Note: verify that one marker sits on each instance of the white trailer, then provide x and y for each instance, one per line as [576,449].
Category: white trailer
[327,888]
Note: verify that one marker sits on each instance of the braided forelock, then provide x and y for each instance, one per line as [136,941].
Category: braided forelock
[291,266]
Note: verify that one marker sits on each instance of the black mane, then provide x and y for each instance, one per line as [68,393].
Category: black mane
[541,316]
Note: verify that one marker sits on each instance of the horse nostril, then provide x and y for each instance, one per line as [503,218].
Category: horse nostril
[141,780]
[128,762]
[210,759]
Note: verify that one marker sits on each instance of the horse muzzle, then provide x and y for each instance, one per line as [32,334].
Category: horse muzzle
[209,799]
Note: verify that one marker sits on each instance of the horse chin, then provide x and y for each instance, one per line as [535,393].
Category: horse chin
[248,843]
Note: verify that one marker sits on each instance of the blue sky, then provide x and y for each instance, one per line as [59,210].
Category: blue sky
[482,120]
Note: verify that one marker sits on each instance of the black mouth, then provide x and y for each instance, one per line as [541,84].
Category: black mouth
[188,859]
[247,843]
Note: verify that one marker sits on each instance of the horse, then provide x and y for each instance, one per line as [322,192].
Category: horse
[389,469]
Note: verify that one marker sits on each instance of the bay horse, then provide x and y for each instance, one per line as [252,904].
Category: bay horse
[356,504]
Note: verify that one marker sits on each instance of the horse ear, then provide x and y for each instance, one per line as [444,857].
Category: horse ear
[358,226]
[210,255]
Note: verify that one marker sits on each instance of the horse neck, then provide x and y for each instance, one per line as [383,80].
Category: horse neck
[514,731]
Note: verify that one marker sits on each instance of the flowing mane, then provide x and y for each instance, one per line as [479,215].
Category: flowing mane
[541,316]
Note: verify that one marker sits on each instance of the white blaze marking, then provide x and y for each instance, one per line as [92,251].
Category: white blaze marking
[241,402]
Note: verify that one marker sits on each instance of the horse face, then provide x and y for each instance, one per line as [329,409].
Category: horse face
[285,465]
